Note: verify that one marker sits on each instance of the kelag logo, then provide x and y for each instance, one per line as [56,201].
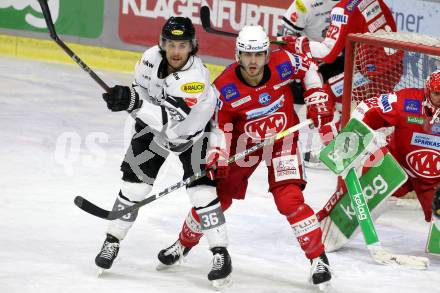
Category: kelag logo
[83,18]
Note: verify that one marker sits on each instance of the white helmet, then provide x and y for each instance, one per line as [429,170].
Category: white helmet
[252,39]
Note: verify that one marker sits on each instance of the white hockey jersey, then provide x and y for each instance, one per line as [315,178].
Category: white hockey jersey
[309,18]
[176,107]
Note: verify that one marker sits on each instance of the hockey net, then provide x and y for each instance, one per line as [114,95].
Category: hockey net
[377,63]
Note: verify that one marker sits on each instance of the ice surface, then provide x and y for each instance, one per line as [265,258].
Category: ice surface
[58,140]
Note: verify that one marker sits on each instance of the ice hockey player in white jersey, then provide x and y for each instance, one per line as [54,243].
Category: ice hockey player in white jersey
[309,18]
[172,101]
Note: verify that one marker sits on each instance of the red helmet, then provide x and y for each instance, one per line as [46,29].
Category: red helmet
[432,83]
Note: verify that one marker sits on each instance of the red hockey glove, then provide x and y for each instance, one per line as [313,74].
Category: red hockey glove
[319,107]
[217,163]
[296,45]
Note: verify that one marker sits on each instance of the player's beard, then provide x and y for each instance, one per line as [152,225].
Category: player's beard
[176,63]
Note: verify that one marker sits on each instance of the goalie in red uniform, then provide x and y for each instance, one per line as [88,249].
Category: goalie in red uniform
[255,103]
[415,142]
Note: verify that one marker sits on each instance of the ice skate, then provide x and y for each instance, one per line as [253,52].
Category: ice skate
[108,253]
[169,256]
[220,274]
[320,273]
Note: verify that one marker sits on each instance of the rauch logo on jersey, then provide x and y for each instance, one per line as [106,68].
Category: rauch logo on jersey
[424,163]
[230,92]
[285,70]
[193,87]
[412,106]
[266,127]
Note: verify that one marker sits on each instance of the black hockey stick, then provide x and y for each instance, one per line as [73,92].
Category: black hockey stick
[93,209]
[205,17]
[54,36]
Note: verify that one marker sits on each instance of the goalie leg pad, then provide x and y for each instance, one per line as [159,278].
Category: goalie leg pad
[433,243]
[290,202]
[130,194]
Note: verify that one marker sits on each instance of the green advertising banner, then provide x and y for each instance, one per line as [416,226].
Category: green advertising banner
[82,18]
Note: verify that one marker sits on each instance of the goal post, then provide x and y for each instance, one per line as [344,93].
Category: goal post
[377,63]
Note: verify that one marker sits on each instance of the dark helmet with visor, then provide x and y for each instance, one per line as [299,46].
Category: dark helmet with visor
[179,28]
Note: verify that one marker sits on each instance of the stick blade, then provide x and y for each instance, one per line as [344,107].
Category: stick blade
[383,256]
[90,208]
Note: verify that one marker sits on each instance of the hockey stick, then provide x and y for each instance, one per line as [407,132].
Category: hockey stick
[379,254]
[54,36]
[205,17]
[93,209]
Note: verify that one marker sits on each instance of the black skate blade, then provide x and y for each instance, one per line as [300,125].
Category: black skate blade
[324,287]
[221,284]
[99,272]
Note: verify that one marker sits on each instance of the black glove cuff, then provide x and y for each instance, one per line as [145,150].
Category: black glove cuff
[134,100]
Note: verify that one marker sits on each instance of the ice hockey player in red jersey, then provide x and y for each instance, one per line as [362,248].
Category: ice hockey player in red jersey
[348,16]
[255,103]
[415,142]
[352,16]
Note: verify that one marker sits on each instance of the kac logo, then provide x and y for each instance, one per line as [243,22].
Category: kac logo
[264,99]
[424,163]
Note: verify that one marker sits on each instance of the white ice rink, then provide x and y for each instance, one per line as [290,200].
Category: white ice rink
[58,140]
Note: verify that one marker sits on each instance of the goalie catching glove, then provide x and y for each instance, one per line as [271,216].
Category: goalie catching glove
[217,163]
[319,107]
[122,98]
